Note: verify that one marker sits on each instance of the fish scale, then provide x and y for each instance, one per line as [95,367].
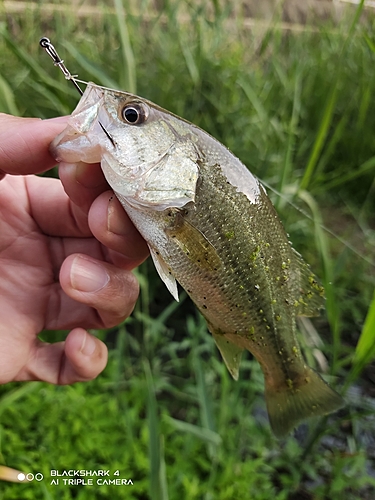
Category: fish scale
[211,227]
[237,309]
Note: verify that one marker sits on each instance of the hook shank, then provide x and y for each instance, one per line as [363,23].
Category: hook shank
[57,61]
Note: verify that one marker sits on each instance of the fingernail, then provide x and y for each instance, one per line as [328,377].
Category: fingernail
[117,222]
[88,345]
[88,276]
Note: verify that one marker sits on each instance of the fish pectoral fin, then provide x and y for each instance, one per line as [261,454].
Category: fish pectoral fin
[230,352]
[295,401]
[195,245]
[309,297]
[165,273]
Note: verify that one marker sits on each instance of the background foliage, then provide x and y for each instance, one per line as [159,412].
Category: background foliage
[298,108]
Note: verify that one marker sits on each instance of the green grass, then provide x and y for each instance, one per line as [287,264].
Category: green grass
[297,108]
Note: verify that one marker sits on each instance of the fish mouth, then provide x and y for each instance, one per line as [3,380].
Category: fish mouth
[72,147]
[80,141]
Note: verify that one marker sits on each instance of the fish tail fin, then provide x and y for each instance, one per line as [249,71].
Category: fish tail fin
[308,396]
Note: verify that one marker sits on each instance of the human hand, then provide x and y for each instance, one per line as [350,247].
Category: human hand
[64,261]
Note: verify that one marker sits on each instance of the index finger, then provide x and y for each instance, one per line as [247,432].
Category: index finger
[24,144]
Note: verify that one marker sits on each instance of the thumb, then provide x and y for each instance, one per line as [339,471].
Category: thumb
[80,358]
[24,144]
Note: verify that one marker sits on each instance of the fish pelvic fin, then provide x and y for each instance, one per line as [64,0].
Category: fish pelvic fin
[307,397]
[230,353]
[165,273]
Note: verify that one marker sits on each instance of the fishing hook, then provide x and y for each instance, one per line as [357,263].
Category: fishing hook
[57,61]
[46,44]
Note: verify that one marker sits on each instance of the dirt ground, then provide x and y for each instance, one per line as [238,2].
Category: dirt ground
[301,11]
[298,12]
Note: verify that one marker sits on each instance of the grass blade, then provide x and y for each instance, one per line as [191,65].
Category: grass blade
[331,147]
[190,62]
[199,432]
[205,404]
[292,131]
[253,98]
[158,480]
[204,399]
[127,79]
[163,472]
[332,307]
[7,100]
[329,107]
[321,137]
[11,397]
[100,77]
[365,349]
[366,167]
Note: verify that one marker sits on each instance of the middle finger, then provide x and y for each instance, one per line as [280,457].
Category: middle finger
[82,182]
[110,225]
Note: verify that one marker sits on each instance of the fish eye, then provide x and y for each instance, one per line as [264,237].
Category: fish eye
[134,114]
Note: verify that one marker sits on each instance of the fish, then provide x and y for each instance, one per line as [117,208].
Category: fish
[211,227]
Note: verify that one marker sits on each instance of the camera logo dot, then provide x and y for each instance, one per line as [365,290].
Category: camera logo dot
[30,477]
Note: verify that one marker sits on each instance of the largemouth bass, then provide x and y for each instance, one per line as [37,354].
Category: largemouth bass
[211,227]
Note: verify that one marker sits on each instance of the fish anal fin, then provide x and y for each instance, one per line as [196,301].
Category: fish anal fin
[194,244]
[165,273]
[230,352]
[296,401]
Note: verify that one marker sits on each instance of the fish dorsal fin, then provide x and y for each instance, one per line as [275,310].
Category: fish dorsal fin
[309,294]
[165,273]
[230,352]
[194,244]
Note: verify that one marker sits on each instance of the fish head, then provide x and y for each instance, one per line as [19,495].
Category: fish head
[148,155]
